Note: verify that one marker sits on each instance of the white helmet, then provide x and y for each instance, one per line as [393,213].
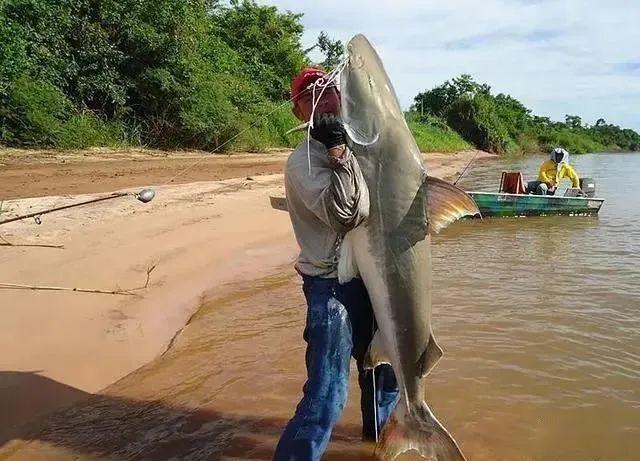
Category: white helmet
[559,155]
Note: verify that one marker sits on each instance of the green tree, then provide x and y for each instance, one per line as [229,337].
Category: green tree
[176,72]
[502,124]
[268,41]
[333,50]
[573,121]
[439,100]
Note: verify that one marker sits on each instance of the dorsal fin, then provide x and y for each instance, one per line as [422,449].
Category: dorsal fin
[446,204]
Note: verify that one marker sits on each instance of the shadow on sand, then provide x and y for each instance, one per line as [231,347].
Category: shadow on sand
[116,428]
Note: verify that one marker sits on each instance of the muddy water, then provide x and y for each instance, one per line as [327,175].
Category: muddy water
[539,318]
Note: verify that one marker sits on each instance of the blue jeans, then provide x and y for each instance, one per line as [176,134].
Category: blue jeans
[339,326]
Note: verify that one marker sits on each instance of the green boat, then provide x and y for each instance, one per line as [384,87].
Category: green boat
[506,203]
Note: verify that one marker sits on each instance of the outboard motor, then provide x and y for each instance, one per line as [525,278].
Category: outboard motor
[588,187]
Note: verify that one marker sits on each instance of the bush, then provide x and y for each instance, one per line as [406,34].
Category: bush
[168,73]
[33,113]
[270,128]
[502,124]
[86,130]
[575,143]
[433,135]
[476,120]
[527,142]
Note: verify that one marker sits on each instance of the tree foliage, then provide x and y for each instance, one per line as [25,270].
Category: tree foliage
[503,124]
[333,50]
[190,73]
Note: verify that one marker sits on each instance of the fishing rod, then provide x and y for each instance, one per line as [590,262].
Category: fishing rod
[145,196]
[466,167]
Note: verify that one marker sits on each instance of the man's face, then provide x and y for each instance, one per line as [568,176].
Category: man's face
[329,103]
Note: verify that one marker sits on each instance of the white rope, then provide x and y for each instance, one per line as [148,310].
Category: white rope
[236,136]
[322,83]
[373,379]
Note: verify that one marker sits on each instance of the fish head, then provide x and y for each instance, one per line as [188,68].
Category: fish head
[367,96]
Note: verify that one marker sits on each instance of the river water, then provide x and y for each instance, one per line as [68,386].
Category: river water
[539,319]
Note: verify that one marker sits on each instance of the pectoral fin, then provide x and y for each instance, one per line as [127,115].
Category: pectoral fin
[430,357]
[446,204]
[376,354]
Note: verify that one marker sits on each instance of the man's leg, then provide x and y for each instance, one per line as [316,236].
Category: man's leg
[386,398]
[329,344]
[354,295]
[531,186]
[542,189]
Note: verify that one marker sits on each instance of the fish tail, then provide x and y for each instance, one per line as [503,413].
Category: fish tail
[417,431]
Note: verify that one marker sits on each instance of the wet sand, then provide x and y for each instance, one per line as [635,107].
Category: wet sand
[205,237]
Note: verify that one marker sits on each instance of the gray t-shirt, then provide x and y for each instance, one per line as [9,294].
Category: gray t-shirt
[323,205]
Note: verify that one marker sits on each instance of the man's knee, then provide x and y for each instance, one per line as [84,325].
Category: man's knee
[542,189]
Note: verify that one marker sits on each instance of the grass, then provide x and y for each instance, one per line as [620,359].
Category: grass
[269,131]
[433,138]
[575,143]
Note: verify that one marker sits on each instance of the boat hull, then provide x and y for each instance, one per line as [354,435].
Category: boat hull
[505,205]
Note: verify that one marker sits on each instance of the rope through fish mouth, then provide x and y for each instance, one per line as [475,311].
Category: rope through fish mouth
[327,81]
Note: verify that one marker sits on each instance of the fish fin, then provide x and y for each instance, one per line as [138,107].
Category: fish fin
[419,431]
[430,357]
[376,355]
[447,203]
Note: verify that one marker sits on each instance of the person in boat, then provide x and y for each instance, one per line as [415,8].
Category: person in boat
[326,197]
[552,171]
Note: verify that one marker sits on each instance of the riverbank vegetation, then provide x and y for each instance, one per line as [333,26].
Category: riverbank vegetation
[160,73]
[215,75]
[502,124]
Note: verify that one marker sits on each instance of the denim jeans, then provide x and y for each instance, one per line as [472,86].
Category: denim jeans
[339,326]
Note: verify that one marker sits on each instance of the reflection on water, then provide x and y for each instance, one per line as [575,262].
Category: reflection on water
[538,317]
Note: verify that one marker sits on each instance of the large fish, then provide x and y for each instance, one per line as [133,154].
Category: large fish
[391,250]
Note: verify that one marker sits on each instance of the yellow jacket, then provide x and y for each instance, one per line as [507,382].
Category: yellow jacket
[552,173]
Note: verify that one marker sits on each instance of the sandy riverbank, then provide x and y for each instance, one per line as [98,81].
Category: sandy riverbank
[202,236]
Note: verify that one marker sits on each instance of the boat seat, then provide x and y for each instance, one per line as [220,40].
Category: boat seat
[512,183]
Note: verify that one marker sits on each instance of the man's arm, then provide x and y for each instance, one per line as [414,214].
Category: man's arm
[571,174]
[338,196]
[542,175]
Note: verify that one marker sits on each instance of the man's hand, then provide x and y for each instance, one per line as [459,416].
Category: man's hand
[337,155]
[328,129]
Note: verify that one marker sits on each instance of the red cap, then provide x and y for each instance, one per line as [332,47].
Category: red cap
[304,79]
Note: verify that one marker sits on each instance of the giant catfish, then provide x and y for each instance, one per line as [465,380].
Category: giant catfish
[391,250]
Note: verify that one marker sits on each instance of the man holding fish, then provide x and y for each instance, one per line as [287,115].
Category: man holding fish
[327,197]
[366,217]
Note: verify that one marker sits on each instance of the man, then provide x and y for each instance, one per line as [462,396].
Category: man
[327,197]
[552,171]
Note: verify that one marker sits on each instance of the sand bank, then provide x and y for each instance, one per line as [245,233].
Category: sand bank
[201,237]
